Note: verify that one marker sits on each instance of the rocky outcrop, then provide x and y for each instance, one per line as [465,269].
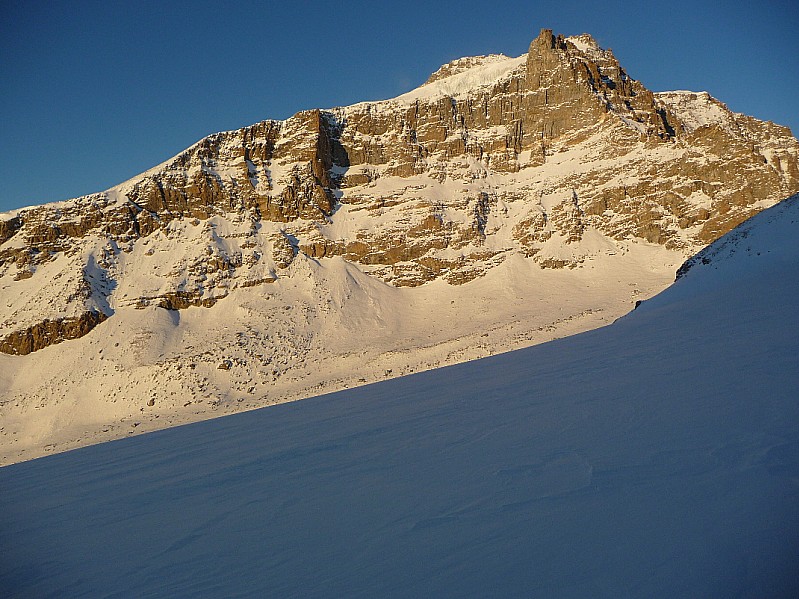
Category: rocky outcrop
[9,227]
[492,156]
[48,332]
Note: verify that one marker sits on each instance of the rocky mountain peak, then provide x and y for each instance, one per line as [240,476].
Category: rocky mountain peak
[582,82]
[540,156]
[545,43]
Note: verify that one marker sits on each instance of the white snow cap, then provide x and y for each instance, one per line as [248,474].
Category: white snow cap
[468,74]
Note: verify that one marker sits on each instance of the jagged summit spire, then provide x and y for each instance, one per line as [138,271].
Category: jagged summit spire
[546,39]
[541,57]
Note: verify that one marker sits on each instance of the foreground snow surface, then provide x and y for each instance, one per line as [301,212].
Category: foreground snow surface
[656,457]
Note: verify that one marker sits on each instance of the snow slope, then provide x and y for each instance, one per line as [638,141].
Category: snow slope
[322,326]
[656,457]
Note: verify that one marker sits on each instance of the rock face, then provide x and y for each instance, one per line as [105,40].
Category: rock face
[538,156]
[48,332]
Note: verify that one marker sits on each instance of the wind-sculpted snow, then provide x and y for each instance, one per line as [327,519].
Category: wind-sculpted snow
[656,457]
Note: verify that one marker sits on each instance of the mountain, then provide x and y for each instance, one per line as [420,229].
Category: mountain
[505,202]
[656,457]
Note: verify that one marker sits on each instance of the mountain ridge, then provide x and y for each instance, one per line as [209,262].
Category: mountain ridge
[553,176]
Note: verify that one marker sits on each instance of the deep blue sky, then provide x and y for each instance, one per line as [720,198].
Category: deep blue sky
[92,93]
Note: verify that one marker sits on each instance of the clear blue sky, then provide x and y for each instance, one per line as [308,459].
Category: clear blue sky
[93,93]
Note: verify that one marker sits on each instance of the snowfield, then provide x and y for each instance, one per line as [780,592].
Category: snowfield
[656,457]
